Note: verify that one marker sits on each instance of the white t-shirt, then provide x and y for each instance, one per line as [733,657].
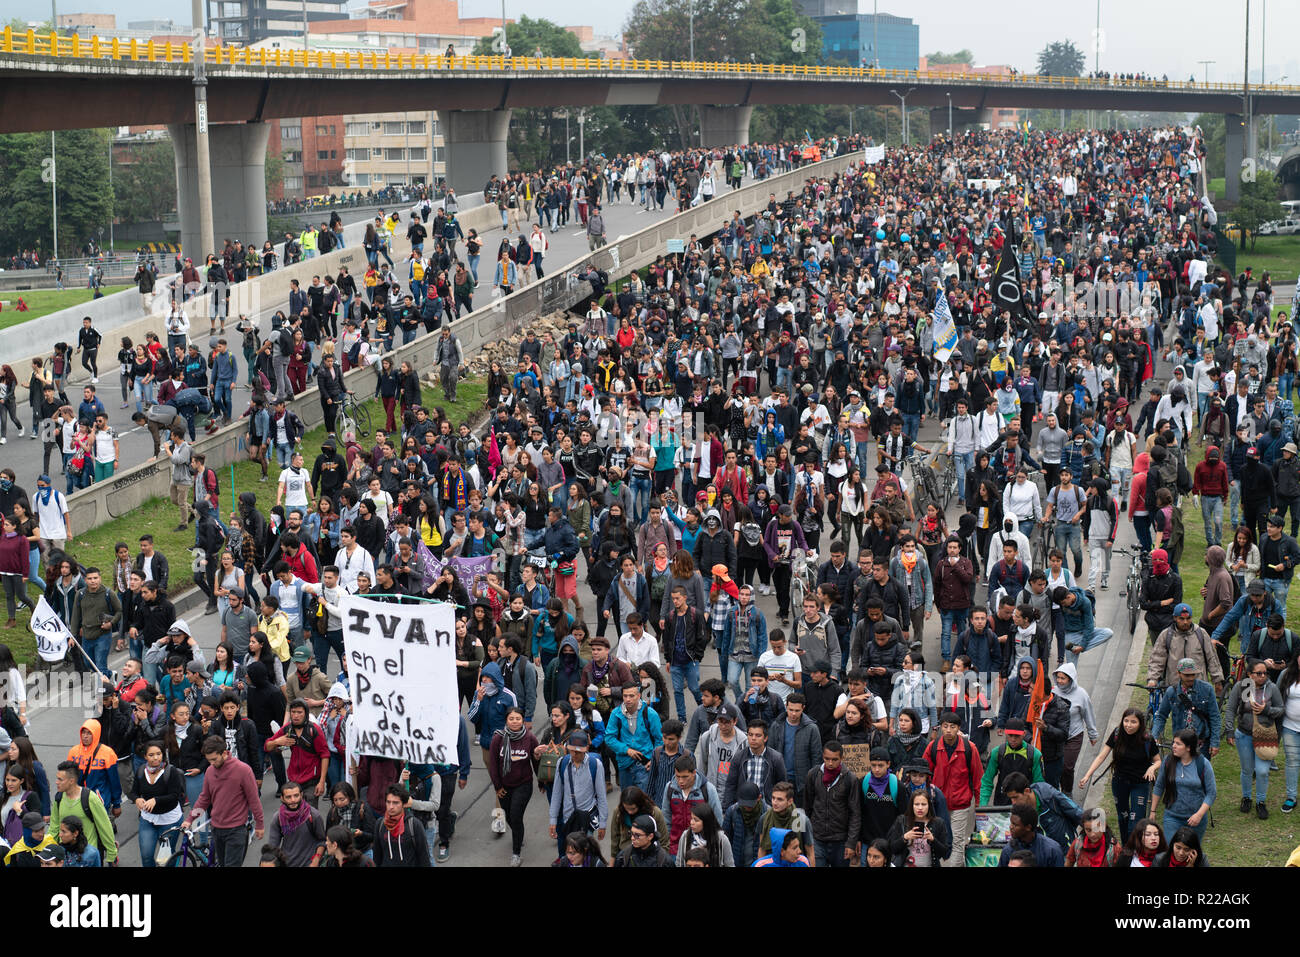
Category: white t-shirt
[636,652]
[104,452]
[786,665]
[51,515]
[382,503]
[295,486]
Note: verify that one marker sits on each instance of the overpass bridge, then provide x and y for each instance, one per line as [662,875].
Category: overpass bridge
[47,81]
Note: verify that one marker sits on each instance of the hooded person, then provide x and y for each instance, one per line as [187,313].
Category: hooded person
[1157,588]
[1017,692]
[786,850]
[493,700]
[715,545]
[97,764]
[1082,719]
[564,670]
[742,821]
[1220,588]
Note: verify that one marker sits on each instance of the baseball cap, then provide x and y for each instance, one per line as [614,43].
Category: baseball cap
[578,739]
[1015,726]
[32,820]
[747,795]
[1256,587]
[1188,666]
[196,668]
[1182,608]
[51,853]
[728,711]
[301,653]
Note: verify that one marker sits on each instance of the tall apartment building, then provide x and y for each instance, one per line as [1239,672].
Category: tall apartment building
[391,149]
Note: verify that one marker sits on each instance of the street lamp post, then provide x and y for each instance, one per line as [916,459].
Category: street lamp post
[54,193]
[582,123]
[203,157]
[691,7]
[902,98]
[1205,69]
[949,117]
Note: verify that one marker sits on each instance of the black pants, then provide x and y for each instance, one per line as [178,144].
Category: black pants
[515,803]
[89,363]
[1253,516]
[331,410]
[231,845]
[446,824]
[781,575]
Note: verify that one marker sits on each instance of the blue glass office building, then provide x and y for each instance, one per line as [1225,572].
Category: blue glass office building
[850,38]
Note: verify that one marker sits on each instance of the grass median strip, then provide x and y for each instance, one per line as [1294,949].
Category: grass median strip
[158,517]
[1236,839]
[42,302]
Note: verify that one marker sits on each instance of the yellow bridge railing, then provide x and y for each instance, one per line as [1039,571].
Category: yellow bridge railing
[51,45]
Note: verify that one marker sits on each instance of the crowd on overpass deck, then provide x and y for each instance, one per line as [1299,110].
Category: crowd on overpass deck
[727,452]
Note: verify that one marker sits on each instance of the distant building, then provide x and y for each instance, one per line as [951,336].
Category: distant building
[87,23]
[997,117]
[852,38]
[248,21]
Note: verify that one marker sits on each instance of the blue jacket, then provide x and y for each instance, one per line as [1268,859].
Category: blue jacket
[561,541]
[1058,816]
[225,368]
[1047,853]
[489,713]
[1200,706]
[744,840]
[774,859]
[1250,618]
[1078,617]
[757,629]
[619,738]
[984,650]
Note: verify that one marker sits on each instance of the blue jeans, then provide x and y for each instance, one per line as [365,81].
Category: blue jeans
[633,773]
[1070,536]
[337,771]
[641,491]
[321,645]
[948,618]
[473,266]
[862,449]
[1253,766]
[738,673]
[1172,822]
[1278,588]
[1212,515]
[97,649]
[1291,744]
[685,676]
[193,786]
[830,853]
[1142,528]
[964,462]
[784,377]
[1099,636]
[34,566]
[911,425]
[1130,802]
[222,401]
[148,838]
[283,454]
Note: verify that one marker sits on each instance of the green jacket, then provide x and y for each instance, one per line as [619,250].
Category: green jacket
[989,783]
[99,828]
[89,608]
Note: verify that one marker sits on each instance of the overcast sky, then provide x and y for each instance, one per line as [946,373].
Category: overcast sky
[1137,35]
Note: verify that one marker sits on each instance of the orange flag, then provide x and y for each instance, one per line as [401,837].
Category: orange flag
[1037,700]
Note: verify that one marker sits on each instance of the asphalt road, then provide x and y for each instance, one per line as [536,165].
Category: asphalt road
[24,455]
[1101,672]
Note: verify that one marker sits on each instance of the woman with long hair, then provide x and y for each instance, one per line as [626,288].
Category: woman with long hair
[907,743]
[19,797]
[158,792]
[1146,842]
[226,671]
[341,849]
[986,506]
[705,832]
[1184,850]
[183,739]
[511,766]
[9,402]
[581,850]
[15,565]
[1288,684]
[632,803]
[880,537]
[1186,785]
[22,755]
[1243,557]
[125,360]
[77,850]
[1137,762]
[586,717]
[29,527]
[918,838]
[852,505]
[351,814]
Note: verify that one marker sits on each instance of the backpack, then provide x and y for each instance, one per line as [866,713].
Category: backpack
[85,810]
[892,786]
[211,484]
[1184,480]
[569,768]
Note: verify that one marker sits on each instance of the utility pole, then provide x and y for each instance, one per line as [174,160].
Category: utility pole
[1245,92]
[692,18]
[54,192]
[950,117]
[113,199]
[305,42]
[202,155]
[582,123]
[902,98]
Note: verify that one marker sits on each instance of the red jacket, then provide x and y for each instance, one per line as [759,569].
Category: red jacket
[957,772]
[1210,479]
[303,565]
[734,480]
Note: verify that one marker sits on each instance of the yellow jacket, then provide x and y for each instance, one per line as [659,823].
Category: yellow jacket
[277,633]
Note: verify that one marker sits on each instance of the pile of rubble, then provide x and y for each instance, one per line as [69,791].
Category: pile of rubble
[550,329]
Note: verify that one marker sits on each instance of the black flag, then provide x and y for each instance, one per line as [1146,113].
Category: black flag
[1006,284]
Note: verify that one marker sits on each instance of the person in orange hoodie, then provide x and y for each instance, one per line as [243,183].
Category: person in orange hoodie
[1139,510]
[97,763]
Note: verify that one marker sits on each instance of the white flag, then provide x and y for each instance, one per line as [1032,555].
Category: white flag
[51,633]
[873,154]
[945,330]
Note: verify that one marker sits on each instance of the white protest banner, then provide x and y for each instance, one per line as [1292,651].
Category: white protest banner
[873,154]
[402,666]
[51,633]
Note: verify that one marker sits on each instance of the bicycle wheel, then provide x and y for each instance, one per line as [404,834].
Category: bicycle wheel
[796,592]
[187,857]
[1133,605]
[949,487]
[360,418]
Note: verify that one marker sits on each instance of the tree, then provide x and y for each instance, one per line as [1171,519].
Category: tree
[757,31]
[1213,130]
[941,59]
[144,183]
[1258,205]
[531,37]
[1060,58]
[85,199]
[273,172]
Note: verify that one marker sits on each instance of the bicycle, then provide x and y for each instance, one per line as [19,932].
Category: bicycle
[1042,543]
[1154,694]
[803,579]
[925,482]
[1133,585]
[354,416]
[190,853]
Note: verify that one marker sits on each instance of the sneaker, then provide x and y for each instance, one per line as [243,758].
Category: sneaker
[94,379]
[1261,811]
[498,821]
[1245,804]
[1105,584]
[515,862]
[179,528]
[1288,806]
[3,441]
[20,428]
[444,852]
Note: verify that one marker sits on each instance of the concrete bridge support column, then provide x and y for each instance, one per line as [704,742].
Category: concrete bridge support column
[725,125]
[476,146]
[238,152]
[1234,151]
